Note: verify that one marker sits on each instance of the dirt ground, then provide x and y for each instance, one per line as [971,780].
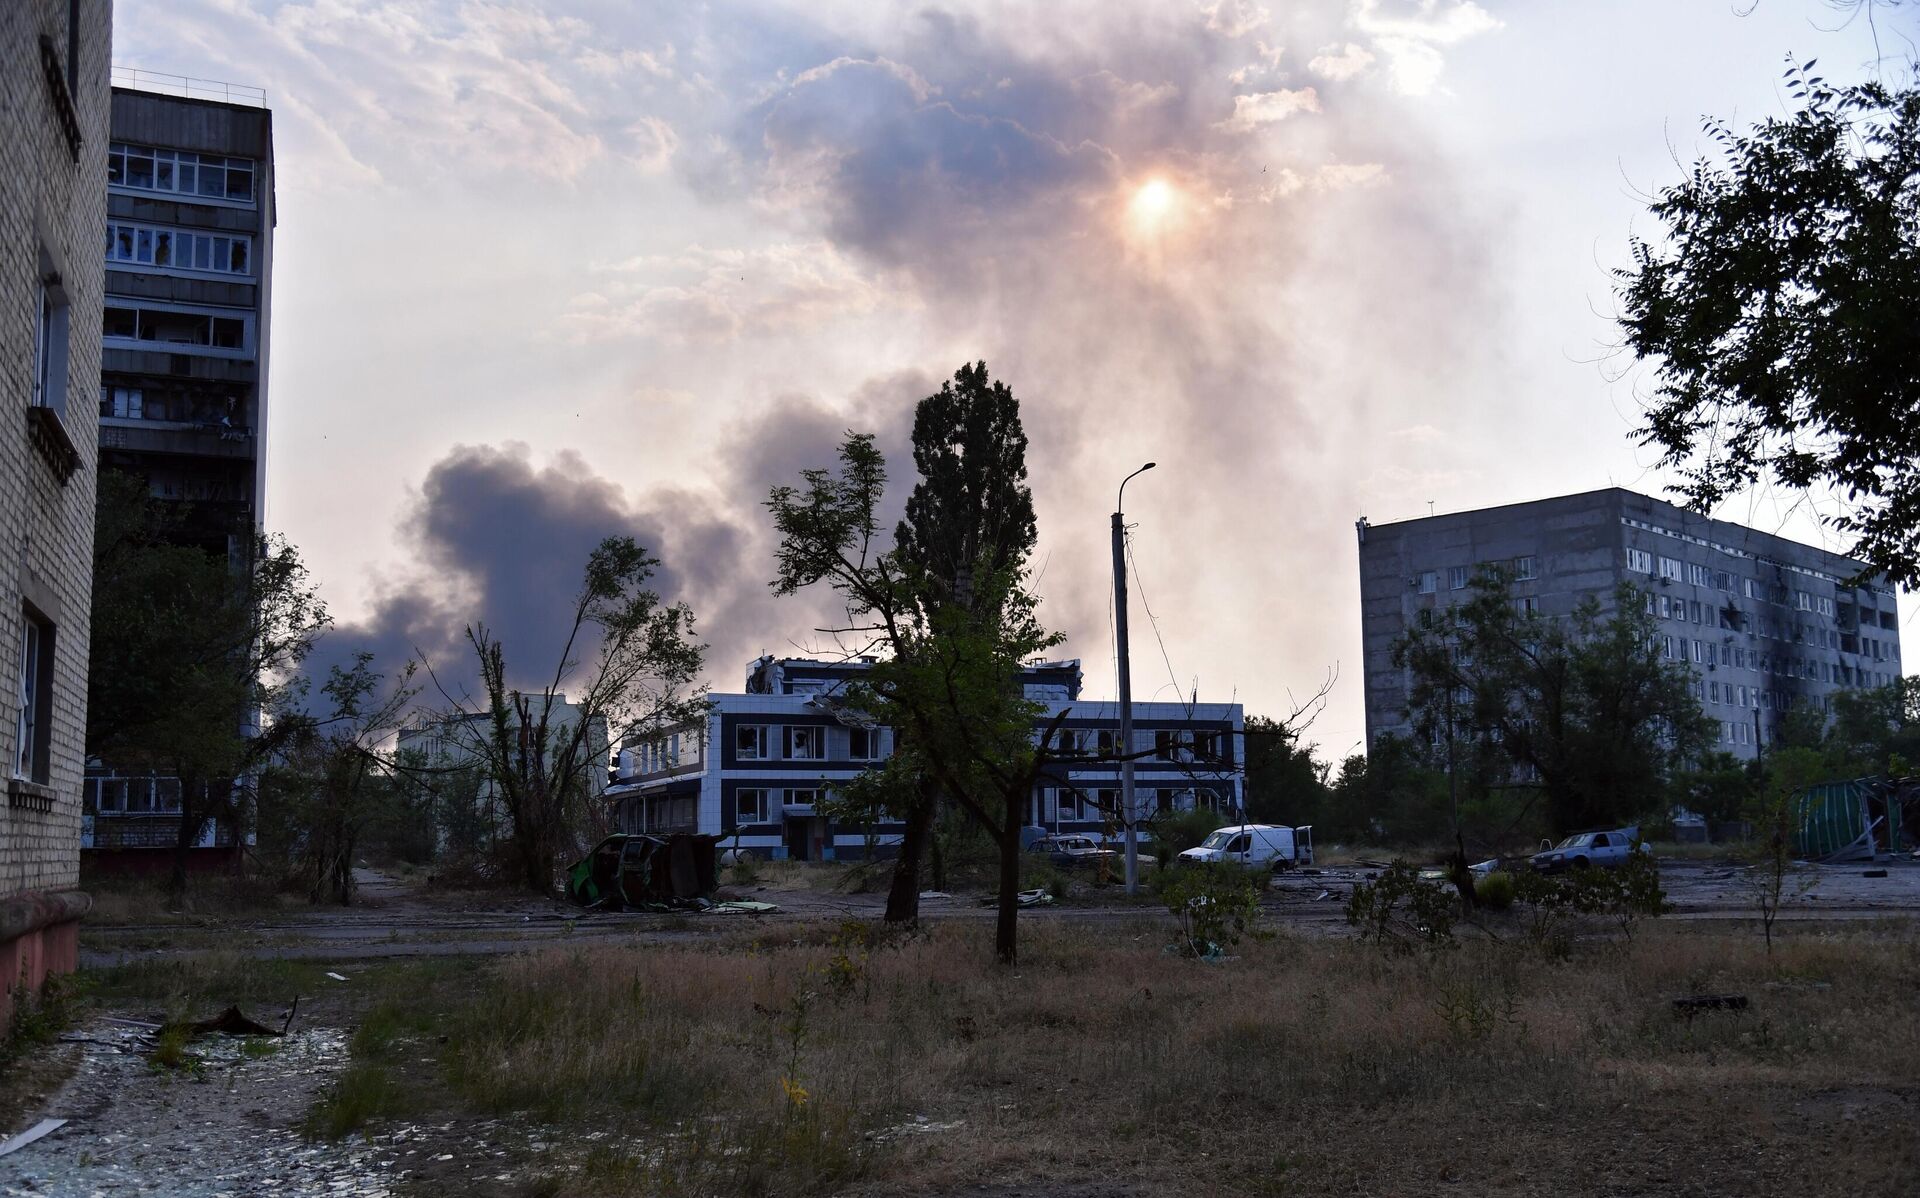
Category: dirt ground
[408,919]
[230,1126]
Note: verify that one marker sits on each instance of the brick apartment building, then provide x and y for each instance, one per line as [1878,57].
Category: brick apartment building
[54,77]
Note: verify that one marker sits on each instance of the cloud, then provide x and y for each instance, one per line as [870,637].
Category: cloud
[651,143]
[894,170]
[1265,108]
[1235,18]
[711,296]
[1411,34]
[1340,63]
[1442,22]
[496,537]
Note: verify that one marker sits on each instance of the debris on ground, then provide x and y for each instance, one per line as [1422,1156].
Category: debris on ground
[1026,898]
[232,1023]
[646,873]
[1697,1003]
[42,1128]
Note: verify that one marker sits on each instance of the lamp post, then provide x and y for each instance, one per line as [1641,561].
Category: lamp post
[1128,813]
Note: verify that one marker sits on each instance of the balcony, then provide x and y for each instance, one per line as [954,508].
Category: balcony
[182,440]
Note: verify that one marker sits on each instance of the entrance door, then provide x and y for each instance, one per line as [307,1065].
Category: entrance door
[798,841]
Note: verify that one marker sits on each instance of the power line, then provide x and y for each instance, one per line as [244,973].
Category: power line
[1155,622]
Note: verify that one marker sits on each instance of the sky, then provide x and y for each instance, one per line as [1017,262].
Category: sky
[545,273]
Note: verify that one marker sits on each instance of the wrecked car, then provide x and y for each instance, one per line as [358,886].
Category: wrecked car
[1603,850]
[1073,852]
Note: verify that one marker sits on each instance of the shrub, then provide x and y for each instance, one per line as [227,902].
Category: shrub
[1178,831]
[1495,891]
[1216,906]
[1401,910]
[745,870]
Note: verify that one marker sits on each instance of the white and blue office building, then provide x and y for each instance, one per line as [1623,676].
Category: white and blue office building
[757,766]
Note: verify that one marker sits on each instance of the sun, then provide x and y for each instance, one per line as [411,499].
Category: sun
[1152,203]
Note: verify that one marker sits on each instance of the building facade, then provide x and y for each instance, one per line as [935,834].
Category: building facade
[189,274]
[188,253]
[761,767]
[1766,624]
[445,745]
[54,73]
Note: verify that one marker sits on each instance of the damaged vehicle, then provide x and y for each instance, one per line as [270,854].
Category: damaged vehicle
[1073,851]
[1602,850]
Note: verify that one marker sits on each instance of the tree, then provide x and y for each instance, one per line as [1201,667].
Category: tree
[949,685]
[1286,784]
[970,517]
[1392,795]
[1779,308]
[542,761]
[1581,710]
[187,651]
[333,780]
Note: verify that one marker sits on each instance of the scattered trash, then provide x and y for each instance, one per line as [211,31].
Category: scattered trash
[336,977]
[1695,1004]
[1873,873]
[1325,896]
[152,1027]
[231,1022]
[42,1128]
[935,894]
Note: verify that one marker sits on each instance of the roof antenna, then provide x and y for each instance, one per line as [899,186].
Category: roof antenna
[1429,507]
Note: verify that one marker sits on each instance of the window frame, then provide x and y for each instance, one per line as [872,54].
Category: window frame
[121,153]
[763,811]
[760,738]
[814,732]
[240,316]
[52,334]
[173,235]
[33,691]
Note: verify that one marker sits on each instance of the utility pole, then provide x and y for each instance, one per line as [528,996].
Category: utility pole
[1129,812]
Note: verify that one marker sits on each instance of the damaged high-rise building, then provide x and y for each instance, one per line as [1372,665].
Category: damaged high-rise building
[1766,624]
[188,245]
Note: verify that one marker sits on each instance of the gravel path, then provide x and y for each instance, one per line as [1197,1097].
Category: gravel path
[223,1129]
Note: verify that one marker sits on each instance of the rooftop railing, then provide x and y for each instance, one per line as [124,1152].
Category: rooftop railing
[188,86]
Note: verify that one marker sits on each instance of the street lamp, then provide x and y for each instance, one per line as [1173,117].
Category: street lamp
[1127,808]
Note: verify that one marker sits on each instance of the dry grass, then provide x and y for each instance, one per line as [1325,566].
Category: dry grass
[211,898]
[1313,1066]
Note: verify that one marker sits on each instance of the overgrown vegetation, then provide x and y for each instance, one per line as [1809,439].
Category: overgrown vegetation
[805,1066]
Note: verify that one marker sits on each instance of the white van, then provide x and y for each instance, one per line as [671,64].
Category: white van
[1256,846]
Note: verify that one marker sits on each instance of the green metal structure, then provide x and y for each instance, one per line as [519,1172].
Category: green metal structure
[1852,820]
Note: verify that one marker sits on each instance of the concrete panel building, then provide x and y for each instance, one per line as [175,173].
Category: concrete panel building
[183,373]
[54,57]
[1766,623]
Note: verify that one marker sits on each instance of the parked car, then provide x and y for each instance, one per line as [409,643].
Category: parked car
[1606,850]
[1256,846]
[1071,851]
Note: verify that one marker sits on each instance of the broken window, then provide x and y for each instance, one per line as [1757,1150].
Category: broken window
[184,248]
[750,742]
[173,327]
[863,744]
[806,744]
